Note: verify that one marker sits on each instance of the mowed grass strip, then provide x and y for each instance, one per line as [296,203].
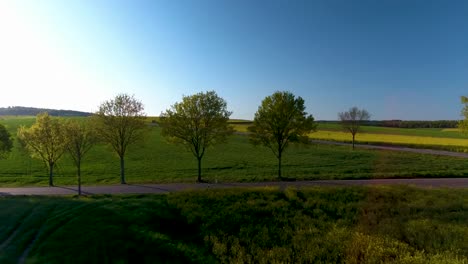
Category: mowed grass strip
[261,225]
[156,161]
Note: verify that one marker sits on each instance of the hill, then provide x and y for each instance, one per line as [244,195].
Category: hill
[32,111]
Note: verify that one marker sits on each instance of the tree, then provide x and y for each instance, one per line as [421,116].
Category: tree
[81,139]
[120,122]
[198,122]
[463,124]
[6,144]
[352,120]
[280,120]
[45,140]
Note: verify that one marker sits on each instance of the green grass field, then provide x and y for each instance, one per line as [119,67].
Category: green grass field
[317,225]
[156,161]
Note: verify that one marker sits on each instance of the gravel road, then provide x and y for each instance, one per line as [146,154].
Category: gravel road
[174,187]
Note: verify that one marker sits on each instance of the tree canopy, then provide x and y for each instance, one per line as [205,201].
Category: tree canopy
[120,122]
[81,138]
[6,143]
[281,119]
[352,120]
[45,140]
[463,124]
[197,122]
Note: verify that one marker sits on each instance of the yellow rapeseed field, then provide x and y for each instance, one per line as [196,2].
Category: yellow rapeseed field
[382,138]
[392,139]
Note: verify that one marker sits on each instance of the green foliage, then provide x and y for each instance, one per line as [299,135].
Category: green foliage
[81,138]
[352,120]
[198,122]
[120,122]
[157,161]
[261,225]
[6,143]
[463,124]
[45,140]
[280,120]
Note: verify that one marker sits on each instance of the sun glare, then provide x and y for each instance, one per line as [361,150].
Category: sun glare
[33,68]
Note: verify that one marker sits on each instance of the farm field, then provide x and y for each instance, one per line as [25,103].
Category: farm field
[261,225]
[427,132]
[156,161]
[437,138]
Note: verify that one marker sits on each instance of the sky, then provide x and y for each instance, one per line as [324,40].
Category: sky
[399,59]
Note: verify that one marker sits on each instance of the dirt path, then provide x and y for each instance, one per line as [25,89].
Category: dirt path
[174,187]
[397,148]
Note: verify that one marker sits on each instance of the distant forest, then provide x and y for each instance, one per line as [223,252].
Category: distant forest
[415,124]
[32,111]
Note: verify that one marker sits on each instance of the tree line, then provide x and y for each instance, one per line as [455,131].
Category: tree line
[197,122]
[32,111]
[414,123]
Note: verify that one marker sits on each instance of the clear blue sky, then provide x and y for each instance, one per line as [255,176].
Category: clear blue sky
[398,59]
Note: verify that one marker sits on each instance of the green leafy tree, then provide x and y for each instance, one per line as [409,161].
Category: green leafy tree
[81,138]
[280,120]
[120,122]
[352,120]
[45,140]
[463,124]
[198,122]
[6,143]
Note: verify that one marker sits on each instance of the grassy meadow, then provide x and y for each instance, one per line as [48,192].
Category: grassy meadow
[262,225]
[156,161]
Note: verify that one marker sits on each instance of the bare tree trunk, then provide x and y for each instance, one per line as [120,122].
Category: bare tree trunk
[51,174]
[353,140]
[79,177]
[122,170]
[279,166]
[199,170]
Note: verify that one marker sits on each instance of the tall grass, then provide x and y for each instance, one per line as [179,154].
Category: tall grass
[313,225]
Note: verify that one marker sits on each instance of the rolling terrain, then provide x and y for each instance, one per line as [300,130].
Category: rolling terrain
[261,225]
